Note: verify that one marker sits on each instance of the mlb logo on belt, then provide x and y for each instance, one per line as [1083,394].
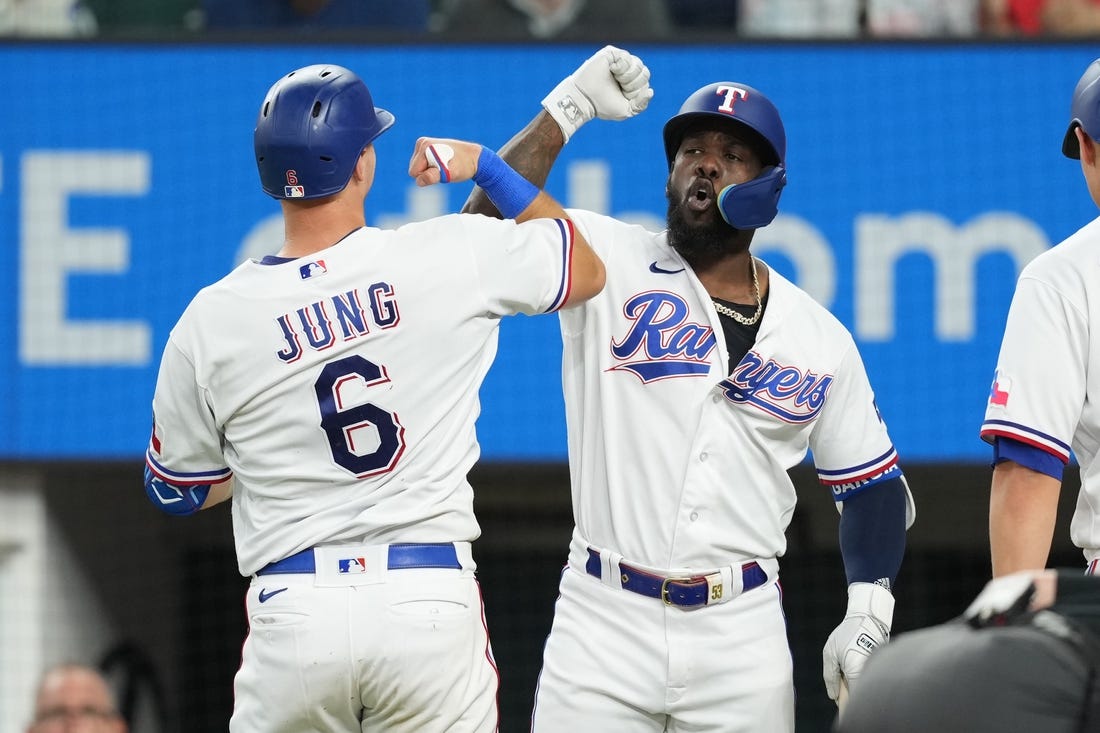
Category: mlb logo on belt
[353,565]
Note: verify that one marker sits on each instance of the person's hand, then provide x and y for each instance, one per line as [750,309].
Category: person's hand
[437,159]
[612,85]
[1010,596]
[865,627]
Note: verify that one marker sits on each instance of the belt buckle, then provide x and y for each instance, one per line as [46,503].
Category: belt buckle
[664,588]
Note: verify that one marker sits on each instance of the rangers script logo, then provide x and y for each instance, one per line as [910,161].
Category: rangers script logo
[786,392]
[661,342]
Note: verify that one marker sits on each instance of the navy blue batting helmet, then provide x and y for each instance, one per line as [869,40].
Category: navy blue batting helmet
[755,203]
[1084,111]
[312,126]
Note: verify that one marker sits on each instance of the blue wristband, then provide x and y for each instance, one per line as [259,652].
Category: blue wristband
[510,192]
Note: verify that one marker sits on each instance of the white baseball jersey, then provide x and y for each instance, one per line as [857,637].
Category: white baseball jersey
[1046,391]
[341,390]
[679,467]
[676,463]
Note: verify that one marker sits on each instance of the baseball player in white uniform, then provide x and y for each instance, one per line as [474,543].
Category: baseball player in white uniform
[693,382]
[1035,416]
[332,389]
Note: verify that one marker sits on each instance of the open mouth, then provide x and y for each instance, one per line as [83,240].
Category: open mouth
[700,195]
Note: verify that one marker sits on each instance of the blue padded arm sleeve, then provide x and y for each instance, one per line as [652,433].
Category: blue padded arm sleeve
[172,499]
[872,533]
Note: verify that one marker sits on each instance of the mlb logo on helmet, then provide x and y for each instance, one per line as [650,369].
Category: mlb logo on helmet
[353,565]
[294,192]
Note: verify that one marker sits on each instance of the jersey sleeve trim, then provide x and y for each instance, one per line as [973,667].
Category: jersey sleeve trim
[568,234]
[876,468]
[186,479]
[992,429]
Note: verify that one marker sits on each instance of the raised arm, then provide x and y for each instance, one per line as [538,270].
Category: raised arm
[439,160]
[612,85]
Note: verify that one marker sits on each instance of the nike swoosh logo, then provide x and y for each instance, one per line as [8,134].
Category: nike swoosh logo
[654,267]
[265,596]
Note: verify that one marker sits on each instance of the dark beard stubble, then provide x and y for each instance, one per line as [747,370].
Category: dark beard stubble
[700,244]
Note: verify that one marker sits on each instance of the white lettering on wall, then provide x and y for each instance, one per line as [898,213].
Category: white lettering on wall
[589,186]
[49,251]
[420,204]
[880,241]
[800,242]
[265,238]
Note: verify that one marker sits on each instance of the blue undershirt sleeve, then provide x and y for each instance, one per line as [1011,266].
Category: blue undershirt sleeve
[872,533]
[1028,456]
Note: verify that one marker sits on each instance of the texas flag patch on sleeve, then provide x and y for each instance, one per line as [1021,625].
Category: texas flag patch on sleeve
[998,392]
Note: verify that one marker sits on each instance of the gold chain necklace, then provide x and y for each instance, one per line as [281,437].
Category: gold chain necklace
[743,320]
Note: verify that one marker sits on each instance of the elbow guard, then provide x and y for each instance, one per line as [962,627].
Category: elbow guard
[178,500]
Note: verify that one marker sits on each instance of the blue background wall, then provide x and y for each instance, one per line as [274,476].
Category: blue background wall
[921,178]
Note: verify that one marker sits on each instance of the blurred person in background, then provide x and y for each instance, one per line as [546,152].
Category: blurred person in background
[306,15]
[1041,17]
[558,19]
[145,17]
[921,18]
[46,18]
[800,18]
[858,18]
[703,15]
[73,697]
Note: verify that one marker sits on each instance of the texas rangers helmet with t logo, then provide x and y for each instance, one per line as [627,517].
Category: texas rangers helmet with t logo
[755,203]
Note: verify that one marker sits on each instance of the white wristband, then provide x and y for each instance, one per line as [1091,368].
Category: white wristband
[569,107]
[873,600]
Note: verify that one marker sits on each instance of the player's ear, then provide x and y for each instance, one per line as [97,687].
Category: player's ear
[1087,146]
[364,167]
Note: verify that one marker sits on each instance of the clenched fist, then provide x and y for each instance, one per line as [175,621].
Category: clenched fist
[612,85]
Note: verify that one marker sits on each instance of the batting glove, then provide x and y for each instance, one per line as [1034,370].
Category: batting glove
[865,627]
[611,85]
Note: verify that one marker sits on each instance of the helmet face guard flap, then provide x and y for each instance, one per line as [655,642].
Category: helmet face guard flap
[312,126]
[755,203]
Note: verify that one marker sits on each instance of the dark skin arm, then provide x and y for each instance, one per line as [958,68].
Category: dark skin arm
[531,152]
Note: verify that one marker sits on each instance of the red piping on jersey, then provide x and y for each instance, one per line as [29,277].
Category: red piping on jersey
[863,476]
[570,235]
[987,435]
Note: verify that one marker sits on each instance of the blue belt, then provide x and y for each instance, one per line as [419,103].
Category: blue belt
[401,556]
[677,591]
